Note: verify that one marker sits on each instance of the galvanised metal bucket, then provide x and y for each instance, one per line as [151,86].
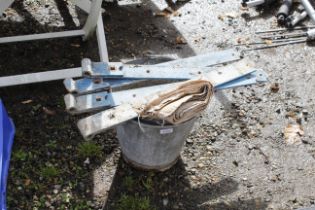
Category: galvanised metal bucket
[152,147]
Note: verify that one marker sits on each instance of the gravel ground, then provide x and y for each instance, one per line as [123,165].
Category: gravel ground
[237,156]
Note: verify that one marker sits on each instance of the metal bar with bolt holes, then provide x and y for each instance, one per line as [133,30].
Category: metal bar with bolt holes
[190,63]
[88,85]
[4,4]
[258,76]
[92,102]
[52,35]
[118,70]
[208,59]
[40,77]
[102,121]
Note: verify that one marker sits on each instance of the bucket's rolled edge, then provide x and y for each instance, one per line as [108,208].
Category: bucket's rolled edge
[150,168]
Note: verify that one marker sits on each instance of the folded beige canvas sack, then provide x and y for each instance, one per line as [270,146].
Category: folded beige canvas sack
[179,104]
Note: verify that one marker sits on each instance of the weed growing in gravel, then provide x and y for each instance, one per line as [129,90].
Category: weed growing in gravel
[19,155]
[81,205]
[127,202]
[129,183]
[89,149]
[148,183]
[49,172]
[52,145]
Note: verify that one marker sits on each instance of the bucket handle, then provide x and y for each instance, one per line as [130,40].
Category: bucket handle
[139,123]
[140,126]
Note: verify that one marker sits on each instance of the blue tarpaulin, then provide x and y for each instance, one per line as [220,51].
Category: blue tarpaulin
[7,131]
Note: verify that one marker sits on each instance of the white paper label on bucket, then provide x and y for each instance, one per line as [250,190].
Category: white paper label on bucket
[166,131]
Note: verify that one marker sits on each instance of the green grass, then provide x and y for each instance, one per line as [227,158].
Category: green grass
[81,205]
[148,183]
[51,145]
[19,155]
[89,149]
[127,202]
[49,172]
[128,182]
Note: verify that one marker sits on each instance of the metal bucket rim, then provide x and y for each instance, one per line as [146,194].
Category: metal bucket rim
[151,124]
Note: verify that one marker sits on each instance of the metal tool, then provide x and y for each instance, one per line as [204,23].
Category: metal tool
[311,13]
[285,29]
[265,42]
[284,11]
[286,39]
[309,35]
[309,9]
[277,45]
[254,3]
[284,35]
[296,18]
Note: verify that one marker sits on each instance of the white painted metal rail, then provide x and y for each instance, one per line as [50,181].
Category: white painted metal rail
[93,23]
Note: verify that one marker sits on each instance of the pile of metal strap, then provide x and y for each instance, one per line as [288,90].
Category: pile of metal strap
[96,91]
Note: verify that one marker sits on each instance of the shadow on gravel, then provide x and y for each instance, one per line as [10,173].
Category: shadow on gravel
[177,5]
[133,31]
[171,190]
[43,55]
